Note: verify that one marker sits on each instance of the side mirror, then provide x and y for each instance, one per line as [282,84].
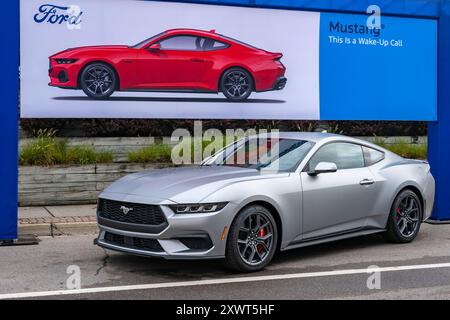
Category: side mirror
[155,47]
[323,167]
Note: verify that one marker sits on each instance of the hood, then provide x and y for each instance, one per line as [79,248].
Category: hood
[174,183]
[89,48]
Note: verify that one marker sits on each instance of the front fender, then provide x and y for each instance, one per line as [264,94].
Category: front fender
[282,193]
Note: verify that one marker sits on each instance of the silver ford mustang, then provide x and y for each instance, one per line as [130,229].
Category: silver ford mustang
[267,193]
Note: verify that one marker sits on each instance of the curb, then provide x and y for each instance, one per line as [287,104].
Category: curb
[58,229]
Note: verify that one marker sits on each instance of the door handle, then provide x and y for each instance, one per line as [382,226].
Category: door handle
[366,182]
[197,60]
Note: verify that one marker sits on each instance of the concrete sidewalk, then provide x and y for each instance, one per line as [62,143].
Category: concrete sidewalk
[58,220]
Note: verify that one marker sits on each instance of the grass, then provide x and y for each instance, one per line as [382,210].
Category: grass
[406,150]
[48,150]
[162,153]
[151,154]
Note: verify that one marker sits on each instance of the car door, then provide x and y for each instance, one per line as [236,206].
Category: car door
[179,63]
[337,202]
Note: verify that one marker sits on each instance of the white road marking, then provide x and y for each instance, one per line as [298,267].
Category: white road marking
[220,281]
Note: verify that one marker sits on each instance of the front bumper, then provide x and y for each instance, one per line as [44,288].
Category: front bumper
[185,236]
[63,75]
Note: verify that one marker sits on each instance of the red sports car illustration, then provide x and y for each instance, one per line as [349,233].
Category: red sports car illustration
[179,60]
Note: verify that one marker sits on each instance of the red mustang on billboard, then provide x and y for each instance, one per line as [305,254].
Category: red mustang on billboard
[179,60]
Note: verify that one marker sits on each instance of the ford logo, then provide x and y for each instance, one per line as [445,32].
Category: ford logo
[53,14]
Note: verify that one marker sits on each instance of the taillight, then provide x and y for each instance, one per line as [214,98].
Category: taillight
[278,61]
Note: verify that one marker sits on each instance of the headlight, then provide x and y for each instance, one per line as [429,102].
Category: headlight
[198,208]
[65,61]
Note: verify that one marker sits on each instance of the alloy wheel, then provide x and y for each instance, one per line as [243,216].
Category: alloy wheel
[237,84]
[99,80]
[255,239]
[407,215]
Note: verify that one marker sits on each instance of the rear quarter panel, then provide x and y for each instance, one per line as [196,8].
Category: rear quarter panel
[262,68]
[394,176]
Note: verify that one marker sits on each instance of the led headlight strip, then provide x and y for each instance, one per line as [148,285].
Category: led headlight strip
[65,61]
[198,208]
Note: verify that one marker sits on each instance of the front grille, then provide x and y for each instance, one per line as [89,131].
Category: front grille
[133,213]
[133,243]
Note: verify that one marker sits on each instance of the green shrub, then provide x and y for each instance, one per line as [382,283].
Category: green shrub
[160,153]
[406,150]
[44,150]
[412,151]
[84,155]
[47,150]
[161,127]
[151,154]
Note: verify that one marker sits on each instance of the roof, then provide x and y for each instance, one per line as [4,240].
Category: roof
[192,31]
[321,136]
[309,136]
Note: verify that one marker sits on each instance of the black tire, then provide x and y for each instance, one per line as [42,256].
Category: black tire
[236,251]
[236,84]
[98,80]
[404,222]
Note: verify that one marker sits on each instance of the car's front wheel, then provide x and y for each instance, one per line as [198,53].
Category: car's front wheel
[236,84]
[98,81]
[405,218]
[252,240]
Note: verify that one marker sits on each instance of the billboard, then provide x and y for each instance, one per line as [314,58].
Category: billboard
[149,59]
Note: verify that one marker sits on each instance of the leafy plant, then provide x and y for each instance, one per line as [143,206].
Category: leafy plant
[47,150]
[151,154]
[404,149]
[84,155]
[161,127]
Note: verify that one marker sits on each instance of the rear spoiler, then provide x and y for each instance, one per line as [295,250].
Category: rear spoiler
[277,56]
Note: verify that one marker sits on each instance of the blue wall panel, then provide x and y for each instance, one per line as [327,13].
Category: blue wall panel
[9,64]
[439,132]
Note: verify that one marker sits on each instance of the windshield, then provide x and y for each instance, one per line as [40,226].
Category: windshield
[273,154]
[142,44]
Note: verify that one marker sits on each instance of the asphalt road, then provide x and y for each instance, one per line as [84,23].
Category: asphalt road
[423,273]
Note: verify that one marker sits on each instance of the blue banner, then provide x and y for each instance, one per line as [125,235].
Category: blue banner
[385,73]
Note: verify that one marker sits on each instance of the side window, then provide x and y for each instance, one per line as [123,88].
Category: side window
[219,45]
[344,155]
[211,44]
[372,156]
[186,43]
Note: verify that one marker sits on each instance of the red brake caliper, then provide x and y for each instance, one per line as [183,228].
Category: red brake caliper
[399,212]
[261,233]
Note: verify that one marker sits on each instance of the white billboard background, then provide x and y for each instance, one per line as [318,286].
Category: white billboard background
[294,33]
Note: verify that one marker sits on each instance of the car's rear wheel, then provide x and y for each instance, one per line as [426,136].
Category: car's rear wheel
[405,218]
[236,84]
[98,80]
[252,240]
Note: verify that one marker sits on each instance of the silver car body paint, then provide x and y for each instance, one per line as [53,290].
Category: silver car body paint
[311,209]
